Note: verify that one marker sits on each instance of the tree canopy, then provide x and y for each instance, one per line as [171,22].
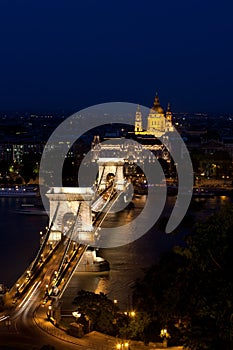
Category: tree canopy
[191,289]
[98,310]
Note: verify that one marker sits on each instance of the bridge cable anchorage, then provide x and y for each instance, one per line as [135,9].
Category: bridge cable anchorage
[35,261]
[67,245]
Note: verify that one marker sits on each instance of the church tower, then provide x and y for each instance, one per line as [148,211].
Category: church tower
[169,113]
[169,126]
[138,121]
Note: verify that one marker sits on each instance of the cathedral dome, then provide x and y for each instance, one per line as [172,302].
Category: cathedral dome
[156,106]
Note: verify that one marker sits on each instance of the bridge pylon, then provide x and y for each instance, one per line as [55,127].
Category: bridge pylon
[111,166]
[70,207]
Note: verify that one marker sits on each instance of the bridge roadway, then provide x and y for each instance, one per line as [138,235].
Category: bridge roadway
[37,285]
[18,326]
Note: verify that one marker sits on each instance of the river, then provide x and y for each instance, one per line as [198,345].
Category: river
[19,241]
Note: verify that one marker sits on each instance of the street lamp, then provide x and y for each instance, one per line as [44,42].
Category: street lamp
[122,345]
[49,311]
[28,274]
[165,335]
[46,290]
[114,309]
[76,315]
[17,290]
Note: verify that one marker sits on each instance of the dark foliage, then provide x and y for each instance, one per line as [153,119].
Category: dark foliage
[98,310]
[191,290]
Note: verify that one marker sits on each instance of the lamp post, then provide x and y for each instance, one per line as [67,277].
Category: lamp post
[46,290]
[28,274]
[41,237]
[49,314]
[114,309]
[164,335]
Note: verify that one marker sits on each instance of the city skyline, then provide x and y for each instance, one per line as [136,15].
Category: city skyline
[64,57]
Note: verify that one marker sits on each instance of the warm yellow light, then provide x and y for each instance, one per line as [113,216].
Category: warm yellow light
[76,314]
[164,333]
[126,345]
[133,313]
[115,301]
[118,346]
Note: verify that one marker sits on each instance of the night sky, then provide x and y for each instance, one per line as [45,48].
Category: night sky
[70,54]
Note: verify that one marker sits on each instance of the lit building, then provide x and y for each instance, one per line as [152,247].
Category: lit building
[158,122]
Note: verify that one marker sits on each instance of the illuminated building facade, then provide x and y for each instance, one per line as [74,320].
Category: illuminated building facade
[158,122]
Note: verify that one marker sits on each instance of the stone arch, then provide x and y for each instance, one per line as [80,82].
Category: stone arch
[68,221]
[65,204]
[110,177]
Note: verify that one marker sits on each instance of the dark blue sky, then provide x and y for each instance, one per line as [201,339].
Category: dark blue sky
[70,54]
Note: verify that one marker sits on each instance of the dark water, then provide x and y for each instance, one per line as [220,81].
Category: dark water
[19,238]
[19,241]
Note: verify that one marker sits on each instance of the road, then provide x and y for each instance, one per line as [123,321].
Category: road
[19,328]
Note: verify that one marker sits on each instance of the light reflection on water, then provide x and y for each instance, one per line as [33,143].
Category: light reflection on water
[127,262]
[19,241]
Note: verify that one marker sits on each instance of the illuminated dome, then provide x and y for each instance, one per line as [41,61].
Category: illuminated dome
[156,106]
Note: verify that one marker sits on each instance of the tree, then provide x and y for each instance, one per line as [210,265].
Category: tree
[98,310]
[136,327]
[192,287]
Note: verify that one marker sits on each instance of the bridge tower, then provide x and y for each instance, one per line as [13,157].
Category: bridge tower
[111,166]
[70,213]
